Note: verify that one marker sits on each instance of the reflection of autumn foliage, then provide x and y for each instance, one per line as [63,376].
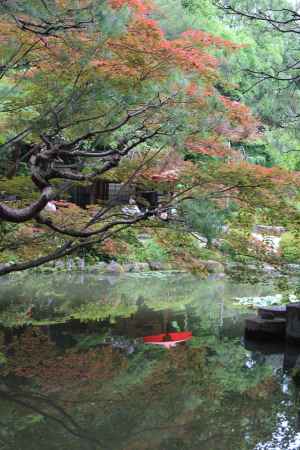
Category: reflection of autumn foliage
[182,366]
[184,373]
[262,390]
[34,356]
[157,398]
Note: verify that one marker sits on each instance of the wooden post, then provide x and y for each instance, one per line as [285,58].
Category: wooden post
[293,322]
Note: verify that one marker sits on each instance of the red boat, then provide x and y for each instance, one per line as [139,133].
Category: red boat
[168,340]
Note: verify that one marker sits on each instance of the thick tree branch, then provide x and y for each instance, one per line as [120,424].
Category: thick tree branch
[29,212]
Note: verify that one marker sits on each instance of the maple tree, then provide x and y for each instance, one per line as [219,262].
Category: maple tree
[81,97]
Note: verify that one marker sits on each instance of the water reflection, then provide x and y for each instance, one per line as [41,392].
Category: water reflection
[43,408]
[283,438]
[76,374]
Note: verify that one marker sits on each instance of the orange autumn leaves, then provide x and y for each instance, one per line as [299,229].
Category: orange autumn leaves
[140,53]
[144,51]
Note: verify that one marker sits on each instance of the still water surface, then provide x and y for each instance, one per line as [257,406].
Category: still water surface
[75,373]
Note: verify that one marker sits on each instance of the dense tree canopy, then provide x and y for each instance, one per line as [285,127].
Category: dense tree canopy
[119,89]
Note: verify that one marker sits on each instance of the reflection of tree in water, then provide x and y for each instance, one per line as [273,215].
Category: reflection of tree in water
[41,299]
[33,355]
[147,321]
[190,397]
[197,396]
[42,406]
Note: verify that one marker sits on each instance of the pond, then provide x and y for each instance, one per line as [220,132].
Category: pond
[76,373]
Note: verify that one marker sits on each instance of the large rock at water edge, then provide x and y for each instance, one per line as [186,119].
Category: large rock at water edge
[213,266]
[157,265]
[258,328]
[136,267]
[114,267]
[272,312]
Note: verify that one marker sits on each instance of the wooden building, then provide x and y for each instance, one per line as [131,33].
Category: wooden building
[101,191]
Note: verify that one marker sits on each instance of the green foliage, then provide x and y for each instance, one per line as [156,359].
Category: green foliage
[290,247]
[3,359]
[261,52]
[86,342]
[150,250]
[6,229]
[212,254]
[296,375]
[20,186]
[230,355]
[204,217]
